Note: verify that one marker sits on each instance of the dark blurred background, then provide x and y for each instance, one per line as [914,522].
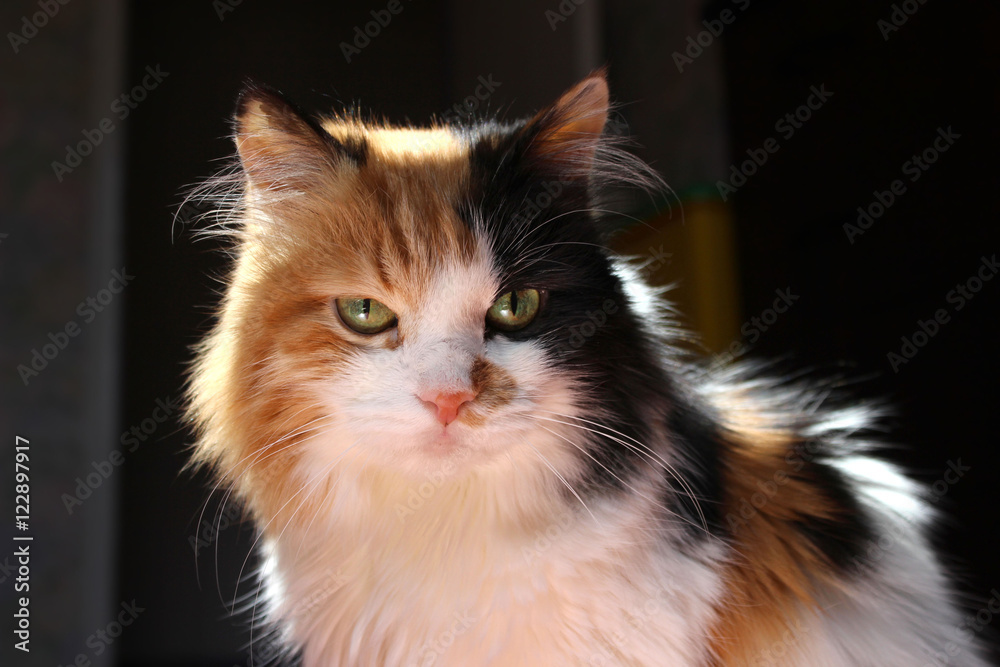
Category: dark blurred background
[699,84]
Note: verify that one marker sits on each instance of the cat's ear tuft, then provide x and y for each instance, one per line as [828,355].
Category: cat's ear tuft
[566,135]
[280,147]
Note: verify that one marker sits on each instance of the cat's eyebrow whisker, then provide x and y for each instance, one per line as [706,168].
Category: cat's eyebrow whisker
[560,243]
[521,266]
[639,448]
[531,230]
[629,486]
[535,256]
[509,245]
[519,240]
[562,479]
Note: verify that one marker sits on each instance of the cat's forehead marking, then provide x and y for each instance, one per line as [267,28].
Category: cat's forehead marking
[401,145]
[406,197]
[388,227]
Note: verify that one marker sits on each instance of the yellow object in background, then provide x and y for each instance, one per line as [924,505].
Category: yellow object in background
[693,246]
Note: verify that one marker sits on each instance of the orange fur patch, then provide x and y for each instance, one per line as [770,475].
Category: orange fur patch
[379,229]
[573,125]
[775,571]
[493,386]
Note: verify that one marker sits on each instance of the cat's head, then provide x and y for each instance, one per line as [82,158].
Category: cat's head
[422,300]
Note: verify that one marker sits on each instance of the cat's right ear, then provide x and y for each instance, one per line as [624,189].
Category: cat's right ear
[280,147]
[563,139]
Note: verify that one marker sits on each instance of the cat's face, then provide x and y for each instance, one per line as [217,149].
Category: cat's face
[415,300]
[386,322]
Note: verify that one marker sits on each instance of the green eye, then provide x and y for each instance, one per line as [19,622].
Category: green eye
[514,310]
[366,316]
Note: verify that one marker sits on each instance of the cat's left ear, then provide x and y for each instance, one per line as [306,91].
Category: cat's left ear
[281,148]
[564,138]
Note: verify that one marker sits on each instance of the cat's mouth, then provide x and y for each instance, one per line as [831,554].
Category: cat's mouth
[449,450]
[454,438]
[467,438]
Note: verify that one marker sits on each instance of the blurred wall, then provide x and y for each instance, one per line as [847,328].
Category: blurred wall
[60,244]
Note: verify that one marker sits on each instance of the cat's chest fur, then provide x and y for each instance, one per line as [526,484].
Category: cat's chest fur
[582,588]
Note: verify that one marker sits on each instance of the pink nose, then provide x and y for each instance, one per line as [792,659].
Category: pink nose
[446,403]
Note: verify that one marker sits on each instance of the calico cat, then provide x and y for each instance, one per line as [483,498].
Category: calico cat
[441,473]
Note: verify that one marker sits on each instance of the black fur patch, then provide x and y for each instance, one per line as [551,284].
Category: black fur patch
[848,534]
[699,445]
[545,236]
